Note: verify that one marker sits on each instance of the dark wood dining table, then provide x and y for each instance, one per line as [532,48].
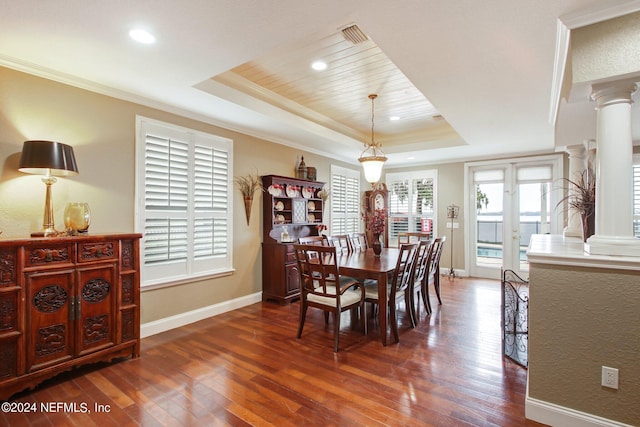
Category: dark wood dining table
[364,265]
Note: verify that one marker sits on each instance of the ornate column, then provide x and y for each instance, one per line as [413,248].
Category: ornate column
[577,164]
[614,174]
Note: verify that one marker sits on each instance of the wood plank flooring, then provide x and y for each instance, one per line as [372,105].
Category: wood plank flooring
[246,367]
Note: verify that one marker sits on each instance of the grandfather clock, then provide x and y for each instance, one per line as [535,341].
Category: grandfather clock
[377,198]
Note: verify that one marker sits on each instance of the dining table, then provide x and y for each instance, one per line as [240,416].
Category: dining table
[364,265]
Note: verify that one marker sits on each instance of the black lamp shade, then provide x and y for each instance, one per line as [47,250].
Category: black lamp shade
[48,158]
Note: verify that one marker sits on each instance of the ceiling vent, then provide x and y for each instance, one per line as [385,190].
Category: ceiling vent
[354,34]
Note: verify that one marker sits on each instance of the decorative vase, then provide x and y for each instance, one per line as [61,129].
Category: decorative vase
[77,217]
[248,202]
[588,225]
[376,245]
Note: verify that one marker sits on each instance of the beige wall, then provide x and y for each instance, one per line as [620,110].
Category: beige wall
[102,131]
[581,319]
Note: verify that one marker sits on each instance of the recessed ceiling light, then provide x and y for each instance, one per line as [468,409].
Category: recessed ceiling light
[394,118]
[319,65]
[411,158]
[142,36]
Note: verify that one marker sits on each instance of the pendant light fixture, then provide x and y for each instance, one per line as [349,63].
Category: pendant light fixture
[372,158]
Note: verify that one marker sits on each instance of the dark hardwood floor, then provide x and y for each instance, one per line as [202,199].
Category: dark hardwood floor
[247,368]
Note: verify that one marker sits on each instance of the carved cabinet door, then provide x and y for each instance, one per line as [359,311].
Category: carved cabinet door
[96,308]
[50,325]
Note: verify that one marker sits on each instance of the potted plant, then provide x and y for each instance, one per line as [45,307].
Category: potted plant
[581,197]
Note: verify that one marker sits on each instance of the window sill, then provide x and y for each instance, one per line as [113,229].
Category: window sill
[181,281]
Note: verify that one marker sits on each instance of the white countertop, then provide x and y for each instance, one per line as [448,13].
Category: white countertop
[560,250]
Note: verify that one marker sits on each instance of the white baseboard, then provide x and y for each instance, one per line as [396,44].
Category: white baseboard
[554,415]
[172,322]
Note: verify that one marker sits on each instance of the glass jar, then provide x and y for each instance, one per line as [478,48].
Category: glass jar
[77,217]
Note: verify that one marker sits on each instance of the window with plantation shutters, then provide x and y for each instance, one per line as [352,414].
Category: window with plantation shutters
[184,199]
[411,202]
[345,200]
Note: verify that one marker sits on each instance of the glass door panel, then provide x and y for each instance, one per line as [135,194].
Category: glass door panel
[489,220]
[534,217]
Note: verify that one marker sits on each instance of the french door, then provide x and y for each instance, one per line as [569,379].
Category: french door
[507,202]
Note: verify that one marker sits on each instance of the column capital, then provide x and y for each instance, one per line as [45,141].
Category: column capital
[577,150]
[615,92]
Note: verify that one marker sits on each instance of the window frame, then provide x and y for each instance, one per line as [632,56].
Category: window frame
[192,266]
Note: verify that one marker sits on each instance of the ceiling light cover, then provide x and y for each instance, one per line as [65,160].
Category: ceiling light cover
[319,65]
[142,36]
[372,158]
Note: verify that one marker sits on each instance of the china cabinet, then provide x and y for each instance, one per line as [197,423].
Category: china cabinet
[291,209]
[66,302]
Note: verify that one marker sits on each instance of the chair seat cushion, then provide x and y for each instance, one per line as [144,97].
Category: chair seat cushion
[371,291]
[349,297]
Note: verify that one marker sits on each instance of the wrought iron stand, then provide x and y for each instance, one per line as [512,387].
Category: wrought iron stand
[452,213]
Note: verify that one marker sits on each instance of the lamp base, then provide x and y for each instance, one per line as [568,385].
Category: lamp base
[49,232]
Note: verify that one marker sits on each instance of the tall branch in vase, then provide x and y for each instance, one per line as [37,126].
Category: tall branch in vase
[248,185]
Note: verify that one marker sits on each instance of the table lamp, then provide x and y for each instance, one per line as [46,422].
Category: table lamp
[50,159]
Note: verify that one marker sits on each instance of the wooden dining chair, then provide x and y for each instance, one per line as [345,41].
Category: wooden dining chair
[432,274]
[313,240]
[358,241]
[415,290]
[341,242]
[412,237]
[322,286]
[401,281]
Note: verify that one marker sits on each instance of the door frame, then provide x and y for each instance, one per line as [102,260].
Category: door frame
[509,164]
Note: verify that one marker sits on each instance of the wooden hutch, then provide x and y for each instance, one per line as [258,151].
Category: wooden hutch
[291,208]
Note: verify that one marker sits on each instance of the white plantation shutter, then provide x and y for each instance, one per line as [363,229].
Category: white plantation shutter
[411,201]
[165,190]
[210,202]
[398,205]
[345,200]
[185,180]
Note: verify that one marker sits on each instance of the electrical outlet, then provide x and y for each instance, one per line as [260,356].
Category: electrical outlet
[609,377]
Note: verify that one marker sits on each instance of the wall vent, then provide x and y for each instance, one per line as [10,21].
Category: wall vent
[354,34]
